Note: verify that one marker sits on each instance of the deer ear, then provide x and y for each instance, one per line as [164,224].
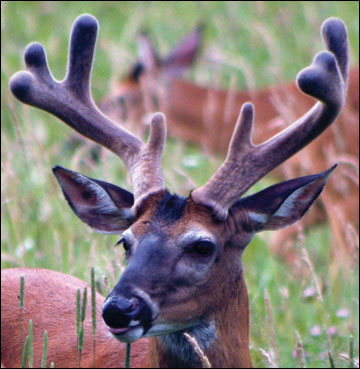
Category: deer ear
[283,204]
[148,57]
[101,205]
[183,55]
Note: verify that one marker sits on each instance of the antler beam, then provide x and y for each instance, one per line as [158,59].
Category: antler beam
[245,164]
[71,101]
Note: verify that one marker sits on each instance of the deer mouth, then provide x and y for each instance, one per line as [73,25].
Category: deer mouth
[127,334]
[134,331]
[127,319]
[121,331]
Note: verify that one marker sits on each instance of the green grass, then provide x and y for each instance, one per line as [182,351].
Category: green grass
[38,228]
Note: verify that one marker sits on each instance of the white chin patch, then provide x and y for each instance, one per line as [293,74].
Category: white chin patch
[131,336]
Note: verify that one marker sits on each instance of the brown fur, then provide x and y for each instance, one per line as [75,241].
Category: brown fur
[50,301]
[231,349]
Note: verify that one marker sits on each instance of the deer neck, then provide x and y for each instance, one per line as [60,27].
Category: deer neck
[223,338]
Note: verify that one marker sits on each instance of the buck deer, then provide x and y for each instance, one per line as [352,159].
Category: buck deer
[207,116]
[184,270]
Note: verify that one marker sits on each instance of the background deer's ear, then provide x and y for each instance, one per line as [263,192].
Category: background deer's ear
[283,204]
[101,205]
[183,55]
[147,55]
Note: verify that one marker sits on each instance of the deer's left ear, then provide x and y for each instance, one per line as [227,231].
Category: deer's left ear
[103,206]
[282,204]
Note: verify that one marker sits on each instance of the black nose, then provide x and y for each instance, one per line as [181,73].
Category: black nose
[118,311]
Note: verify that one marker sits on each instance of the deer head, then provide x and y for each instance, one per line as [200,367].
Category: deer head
[138,92]
[184,268]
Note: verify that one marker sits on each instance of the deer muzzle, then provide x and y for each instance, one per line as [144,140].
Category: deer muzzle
[128,318]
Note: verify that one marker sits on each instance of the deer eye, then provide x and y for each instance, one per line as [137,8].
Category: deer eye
[202,248]
[124,243]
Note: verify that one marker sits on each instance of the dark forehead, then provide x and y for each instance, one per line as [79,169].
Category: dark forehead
[172,213]
[170,208]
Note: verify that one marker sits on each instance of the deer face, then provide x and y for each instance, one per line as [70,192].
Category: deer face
[169,259]
[177,250]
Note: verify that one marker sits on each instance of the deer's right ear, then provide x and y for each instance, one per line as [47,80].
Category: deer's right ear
[103,206]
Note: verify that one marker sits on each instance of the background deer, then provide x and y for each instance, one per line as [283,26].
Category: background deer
[58,318]
[207,116]
[184,270]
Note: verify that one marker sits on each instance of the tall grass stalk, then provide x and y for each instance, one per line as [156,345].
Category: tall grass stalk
[306,259]
[351,352]
[271,327]
[78,308]
[300,350]
[22,293]
[267,359]
[127,357]
[80,317]
[31,344]
[331,360]
[83,306]
[25,352]
[44,350]
[22,304]
[93,314]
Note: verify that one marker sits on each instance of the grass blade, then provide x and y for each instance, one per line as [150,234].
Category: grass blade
[127,357]
[331,360]
[351,352]
[44,350]
[93,314]
[31,344]
[25,352]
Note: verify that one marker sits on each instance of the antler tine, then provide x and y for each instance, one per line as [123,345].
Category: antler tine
[71,101]
[245,164]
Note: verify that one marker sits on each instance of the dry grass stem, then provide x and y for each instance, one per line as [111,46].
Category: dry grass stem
[305,257]
[352,238]
[204,360]
[347,359]
[300,350]
[267,359]
[271,327]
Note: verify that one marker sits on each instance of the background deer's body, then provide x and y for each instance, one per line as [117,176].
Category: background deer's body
[207,116]
[184,254]
[210,115]
[50,301]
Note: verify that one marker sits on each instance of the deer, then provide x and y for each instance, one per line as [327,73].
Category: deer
[206,116]
[183,254]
